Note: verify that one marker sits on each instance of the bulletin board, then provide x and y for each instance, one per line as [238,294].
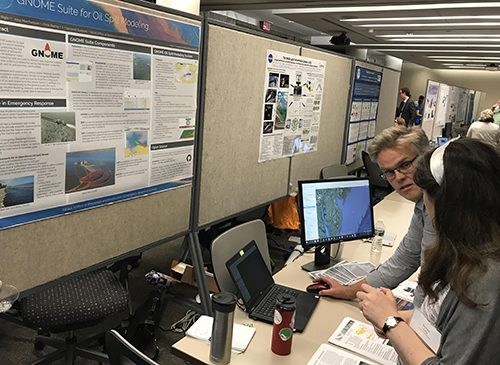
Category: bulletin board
[124,196]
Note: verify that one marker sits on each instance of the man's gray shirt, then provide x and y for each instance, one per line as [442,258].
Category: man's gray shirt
[409,255]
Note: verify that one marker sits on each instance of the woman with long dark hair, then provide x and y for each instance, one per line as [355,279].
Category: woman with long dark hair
[458,296]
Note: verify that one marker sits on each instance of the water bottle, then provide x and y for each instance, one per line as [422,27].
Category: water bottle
[223,305]
[284,320]
[379,236]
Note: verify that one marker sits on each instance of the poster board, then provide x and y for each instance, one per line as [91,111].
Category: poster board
[333,115]
[232,180]
[292,101]
[363,111]
[62,245]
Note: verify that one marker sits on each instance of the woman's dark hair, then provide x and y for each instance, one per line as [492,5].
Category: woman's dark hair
[421,100]
[467,216]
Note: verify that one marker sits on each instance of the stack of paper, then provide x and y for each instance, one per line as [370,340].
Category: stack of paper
[202,330]
[346,272]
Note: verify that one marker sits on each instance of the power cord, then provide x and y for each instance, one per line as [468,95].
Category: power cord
[182,325]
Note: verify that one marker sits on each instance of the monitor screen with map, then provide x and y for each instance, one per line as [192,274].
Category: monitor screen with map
[332,211]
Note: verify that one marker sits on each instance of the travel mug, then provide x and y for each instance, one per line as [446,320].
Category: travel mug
[284,319]
[223,305]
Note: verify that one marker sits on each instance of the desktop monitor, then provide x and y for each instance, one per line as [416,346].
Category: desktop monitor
[447,130]
[333,211]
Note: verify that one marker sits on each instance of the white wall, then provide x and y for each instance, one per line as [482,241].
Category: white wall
[188,6]
[415,77]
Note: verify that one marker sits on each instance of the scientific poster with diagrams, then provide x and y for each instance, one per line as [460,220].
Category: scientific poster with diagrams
[364,109]
[429,112]
[97,105]
[442,105]
[293,93]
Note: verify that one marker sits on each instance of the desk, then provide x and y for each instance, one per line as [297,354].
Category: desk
[328,313]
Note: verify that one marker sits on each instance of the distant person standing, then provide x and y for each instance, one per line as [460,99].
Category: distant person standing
[406,109]
[419,108]
[485,130]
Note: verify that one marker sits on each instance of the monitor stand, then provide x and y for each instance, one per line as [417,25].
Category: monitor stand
[322,258]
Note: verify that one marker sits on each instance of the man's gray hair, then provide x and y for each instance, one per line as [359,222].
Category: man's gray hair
[397,136]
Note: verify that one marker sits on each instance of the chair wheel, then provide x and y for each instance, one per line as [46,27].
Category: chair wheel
[39,345]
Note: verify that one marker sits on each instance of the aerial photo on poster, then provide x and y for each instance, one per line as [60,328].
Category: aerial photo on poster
[90,169]
[58,127]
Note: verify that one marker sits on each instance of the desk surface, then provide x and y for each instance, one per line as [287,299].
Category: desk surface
[328,314]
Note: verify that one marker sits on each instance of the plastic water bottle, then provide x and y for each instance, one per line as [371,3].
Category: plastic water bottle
[379,236]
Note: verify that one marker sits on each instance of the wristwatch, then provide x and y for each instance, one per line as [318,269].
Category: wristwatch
[391,322]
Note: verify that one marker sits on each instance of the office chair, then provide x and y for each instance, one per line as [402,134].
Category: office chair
[121,352]
[228,243]
[380,186]
[332,171]
[77,303]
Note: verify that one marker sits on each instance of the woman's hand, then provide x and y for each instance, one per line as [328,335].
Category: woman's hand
[376,305]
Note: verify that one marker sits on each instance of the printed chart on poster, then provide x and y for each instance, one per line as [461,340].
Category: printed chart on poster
[97,105]
[364,108]
[291,110]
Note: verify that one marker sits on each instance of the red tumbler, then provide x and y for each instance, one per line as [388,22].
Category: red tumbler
[284,319]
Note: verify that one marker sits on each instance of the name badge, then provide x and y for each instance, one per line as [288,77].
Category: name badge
[425,330]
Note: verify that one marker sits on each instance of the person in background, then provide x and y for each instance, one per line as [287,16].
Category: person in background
[395,149]
[459,280]
[419,108]
[485,130]
[399,121]
[406,108]
[495,108]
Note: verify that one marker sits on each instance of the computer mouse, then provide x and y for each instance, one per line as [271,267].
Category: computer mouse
[317,287]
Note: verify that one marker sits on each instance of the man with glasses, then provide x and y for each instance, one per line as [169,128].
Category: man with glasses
[395,149]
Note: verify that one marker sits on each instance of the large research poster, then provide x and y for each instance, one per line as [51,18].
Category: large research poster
[97,105]
[364,108]
[293,92]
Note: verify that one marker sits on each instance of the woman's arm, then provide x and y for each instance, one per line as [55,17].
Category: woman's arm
[376,306]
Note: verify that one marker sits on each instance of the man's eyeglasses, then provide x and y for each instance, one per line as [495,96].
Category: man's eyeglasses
[403,168]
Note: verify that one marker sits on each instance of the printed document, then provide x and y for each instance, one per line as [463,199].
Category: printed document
[330,355]
[361,338]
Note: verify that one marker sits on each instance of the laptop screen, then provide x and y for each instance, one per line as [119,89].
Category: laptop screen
[250,274]
[442,140]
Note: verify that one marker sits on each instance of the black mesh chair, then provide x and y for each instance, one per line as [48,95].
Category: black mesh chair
[121,352]
[380,186]
[77,303]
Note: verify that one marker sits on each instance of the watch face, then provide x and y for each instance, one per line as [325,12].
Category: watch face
[391,322]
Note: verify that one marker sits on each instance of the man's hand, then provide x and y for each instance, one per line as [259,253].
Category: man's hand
[337,290]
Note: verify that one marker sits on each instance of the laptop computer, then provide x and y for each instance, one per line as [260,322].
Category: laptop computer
[442,140]
[258,290]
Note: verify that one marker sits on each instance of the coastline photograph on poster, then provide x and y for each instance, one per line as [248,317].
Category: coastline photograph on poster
[16,191]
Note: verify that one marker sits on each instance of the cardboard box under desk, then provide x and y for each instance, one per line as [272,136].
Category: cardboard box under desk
[184,273]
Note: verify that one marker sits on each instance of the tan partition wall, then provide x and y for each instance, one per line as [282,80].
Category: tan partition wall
[232,179]
[389,99]
[332,121]
[36,253]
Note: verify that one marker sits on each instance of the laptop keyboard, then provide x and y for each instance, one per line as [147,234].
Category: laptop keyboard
[266,306]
